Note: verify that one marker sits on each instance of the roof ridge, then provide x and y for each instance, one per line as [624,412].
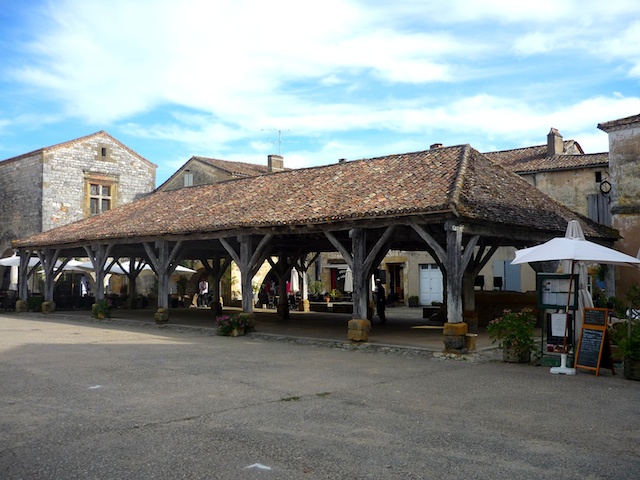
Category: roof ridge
[459,178]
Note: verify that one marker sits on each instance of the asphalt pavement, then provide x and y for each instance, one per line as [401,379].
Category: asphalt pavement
[130,400]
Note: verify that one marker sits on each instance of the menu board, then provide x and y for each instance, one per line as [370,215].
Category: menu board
[596,316]
[553,291]
[594,349]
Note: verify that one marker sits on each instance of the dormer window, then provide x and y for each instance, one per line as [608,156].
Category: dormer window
[188,178]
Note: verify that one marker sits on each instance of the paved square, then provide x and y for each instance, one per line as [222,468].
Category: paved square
[95,400]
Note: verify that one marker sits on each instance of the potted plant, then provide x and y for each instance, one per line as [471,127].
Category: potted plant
[629,338]
[514,333]
[102,308]
[234,325]
[315,288]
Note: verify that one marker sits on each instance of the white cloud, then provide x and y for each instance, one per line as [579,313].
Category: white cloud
[231,68]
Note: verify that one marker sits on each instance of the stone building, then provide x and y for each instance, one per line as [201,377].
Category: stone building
[563,171]
[624,165]
[205,171]
[61,184]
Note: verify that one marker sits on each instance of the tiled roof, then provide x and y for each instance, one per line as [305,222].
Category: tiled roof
[241,169]
[69,143]
[456,181]
[535,159]
[621,122]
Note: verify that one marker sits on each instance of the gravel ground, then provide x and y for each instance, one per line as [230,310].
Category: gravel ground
[119,401]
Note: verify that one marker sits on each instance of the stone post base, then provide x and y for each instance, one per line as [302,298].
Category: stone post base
[470,340]
[22,306]
[303,306]
[359,330]
[161,315]
[48,307]
[454,336]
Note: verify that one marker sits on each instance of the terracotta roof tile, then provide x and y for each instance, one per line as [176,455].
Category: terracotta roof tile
[457,180]
[621,122]
[235,168]
[535,159]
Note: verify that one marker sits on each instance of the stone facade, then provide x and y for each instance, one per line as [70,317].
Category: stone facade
[205,171]
[624,160]
[50,187]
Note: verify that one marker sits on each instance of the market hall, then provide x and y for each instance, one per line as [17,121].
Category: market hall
[452,202]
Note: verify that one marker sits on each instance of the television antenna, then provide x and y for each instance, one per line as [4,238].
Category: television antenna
[279,137]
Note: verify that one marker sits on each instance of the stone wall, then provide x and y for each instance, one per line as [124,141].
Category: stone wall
[21,199]
[67,169]
[624,161]
[202,175]
[569,187]
[49,188]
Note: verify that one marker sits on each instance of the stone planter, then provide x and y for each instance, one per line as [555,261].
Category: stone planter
[509,355]
[632,369]
[236,332]
[48,307]
[161,315]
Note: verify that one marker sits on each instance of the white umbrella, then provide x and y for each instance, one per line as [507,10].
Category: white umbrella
[126,265]
[574,230]
[124,270]
[14,261]
[295,283]
[348,280]
[574,249]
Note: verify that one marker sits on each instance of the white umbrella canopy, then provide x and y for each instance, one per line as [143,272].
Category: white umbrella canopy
[14,261]
[124,270]
[575,249]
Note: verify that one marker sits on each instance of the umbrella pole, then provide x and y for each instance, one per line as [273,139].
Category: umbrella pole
[563,357]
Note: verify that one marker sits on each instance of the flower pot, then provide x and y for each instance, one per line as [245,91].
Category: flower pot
[509,355]
[236,332]
[632,369]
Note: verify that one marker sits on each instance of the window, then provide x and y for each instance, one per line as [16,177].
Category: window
[103,153]
[99,198]
[188,178]
[598,177]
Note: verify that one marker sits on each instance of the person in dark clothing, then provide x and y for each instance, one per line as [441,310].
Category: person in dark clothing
[381,301]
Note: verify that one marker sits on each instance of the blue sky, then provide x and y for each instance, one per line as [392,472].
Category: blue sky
[338,78]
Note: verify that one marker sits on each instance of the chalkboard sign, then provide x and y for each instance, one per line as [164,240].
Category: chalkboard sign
[596,316]
[593,348]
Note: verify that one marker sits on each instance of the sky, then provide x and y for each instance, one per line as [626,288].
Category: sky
[314,81]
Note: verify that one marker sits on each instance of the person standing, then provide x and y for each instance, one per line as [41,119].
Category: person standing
[381,301]
[203,290]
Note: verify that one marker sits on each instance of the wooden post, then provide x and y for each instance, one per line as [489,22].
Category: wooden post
[362,262]
[98,255]
[216,270]
[455,260]
[249,260]
[164,264]
[302,265]
[283,268]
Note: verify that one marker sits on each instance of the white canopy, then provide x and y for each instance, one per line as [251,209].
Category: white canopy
[576,249]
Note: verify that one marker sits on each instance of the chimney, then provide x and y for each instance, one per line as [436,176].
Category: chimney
[342,160]
[555,145]
[275,163]
[435,145]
